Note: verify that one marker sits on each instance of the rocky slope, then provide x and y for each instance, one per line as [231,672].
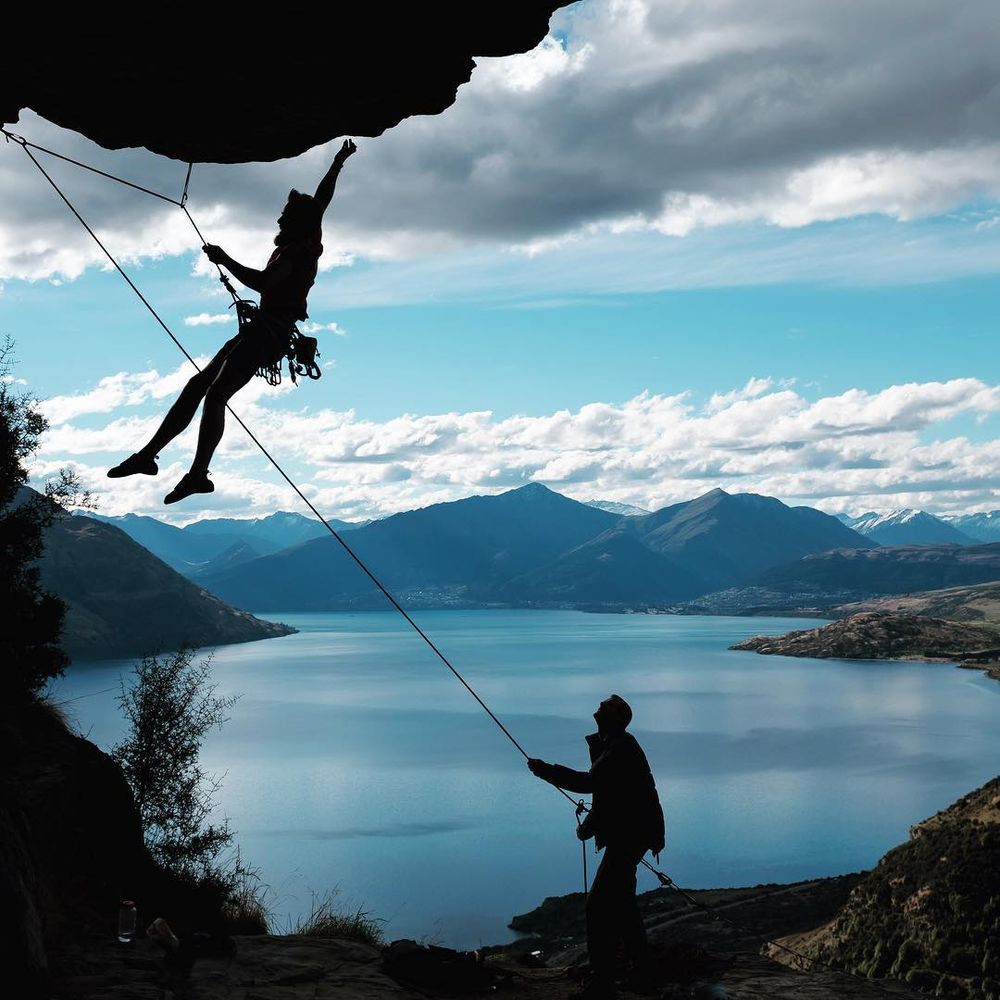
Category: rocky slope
[929,913]
[979,603]
[820,584]
[897,569]
[123,601]
[70,840]
[873,635]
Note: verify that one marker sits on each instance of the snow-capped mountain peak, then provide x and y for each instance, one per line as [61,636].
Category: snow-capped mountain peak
[907,526]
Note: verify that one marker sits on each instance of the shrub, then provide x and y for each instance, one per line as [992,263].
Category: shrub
[33,618]
[170,706]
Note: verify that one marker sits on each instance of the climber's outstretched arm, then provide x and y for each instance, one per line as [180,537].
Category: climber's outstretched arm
[324,191]
[259,281]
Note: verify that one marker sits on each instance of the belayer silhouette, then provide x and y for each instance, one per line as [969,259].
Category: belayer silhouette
[626,820]
[283,286]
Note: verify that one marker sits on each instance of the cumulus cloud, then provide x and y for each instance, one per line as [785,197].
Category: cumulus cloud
[311,327]
[208,319]
[654,115]
[876,449]
[114,391]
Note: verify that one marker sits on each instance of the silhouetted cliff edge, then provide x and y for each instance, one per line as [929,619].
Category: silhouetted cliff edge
[929,913]
[123,601]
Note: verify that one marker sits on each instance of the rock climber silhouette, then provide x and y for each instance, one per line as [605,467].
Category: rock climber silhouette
[283,286]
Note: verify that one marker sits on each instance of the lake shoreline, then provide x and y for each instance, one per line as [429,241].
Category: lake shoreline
[353,753]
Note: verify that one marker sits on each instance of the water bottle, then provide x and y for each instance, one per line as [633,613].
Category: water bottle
[126,921]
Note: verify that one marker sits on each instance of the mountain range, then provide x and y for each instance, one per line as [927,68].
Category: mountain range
[533,547]
[909,527]
[216,543]
[715,541]
[441,555]
[621,509]
[983,527]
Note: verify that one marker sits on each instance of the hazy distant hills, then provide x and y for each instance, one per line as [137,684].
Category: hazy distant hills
[124,601]
[534,547]
[910,527]
[281,529]
[194,548]
[621,509]
[983,527]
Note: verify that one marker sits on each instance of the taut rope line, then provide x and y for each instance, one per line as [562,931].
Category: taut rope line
[274,462]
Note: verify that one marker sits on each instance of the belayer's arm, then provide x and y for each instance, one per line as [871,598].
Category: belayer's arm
[562,777]
[326,187]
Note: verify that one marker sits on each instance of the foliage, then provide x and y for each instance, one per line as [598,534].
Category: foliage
[929,913]
[170,707]
[33,618]
[326,920]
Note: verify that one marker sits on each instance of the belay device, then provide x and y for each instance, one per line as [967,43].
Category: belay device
[300,351]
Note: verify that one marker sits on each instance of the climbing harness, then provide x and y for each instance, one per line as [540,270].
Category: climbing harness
[275,339]
[305,364]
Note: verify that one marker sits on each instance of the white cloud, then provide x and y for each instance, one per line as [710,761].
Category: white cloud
[208,319]
[311,327]
[114,391]
[857,448]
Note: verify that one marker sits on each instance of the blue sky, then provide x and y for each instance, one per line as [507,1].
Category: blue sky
[630,286]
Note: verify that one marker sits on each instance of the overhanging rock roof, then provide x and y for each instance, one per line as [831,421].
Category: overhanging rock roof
[213,83]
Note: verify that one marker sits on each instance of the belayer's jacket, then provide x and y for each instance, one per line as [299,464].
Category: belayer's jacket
[626,811]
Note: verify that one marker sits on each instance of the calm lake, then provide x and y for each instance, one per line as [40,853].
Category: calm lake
[355,761]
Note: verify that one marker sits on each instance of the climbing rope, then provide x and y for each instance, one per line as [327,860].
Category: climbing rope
[579,805]
[27,146]
[267,454]
[581,808]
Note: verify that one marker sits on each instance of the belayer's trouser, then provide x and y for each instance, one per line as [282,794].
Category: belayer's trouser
[613,913]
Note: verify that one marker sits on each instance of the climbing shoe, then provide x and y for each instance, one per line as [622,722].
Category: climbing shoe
[190,483]
[134,465]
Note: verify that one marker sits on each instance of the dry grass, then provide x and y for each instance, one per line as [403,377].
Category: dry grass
[327,920]
[245,907]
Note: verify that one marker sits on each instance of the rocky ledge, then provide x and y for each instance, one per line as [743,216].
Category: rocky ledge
[696,957]
[878,636]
